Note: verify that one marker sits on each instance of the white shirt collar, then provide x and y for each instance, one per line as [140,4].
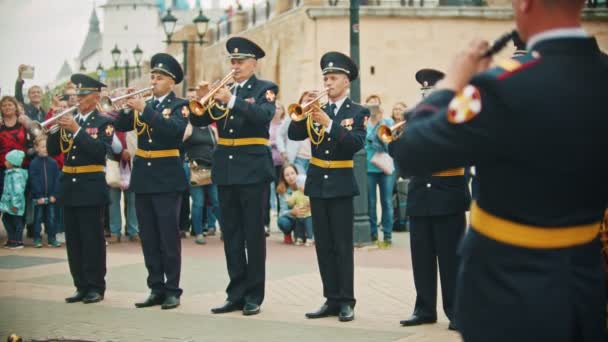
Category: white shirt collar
[83,116]
[339,104]
[577,32]
[162,98]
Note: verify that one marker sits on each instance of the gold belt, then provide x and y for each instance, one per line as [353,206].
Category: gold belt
[243,141]
[523,235]
[451,172]
[83,169]
[157,154]
[332,164]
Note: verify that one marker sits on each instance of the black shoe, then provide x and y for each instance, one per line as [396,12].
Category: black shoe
[152,300]
[417,320]
[228,306]
[347,313]
[251,309]
[452,326]
[76,297]
[324,311]
[92,297]
[171,302]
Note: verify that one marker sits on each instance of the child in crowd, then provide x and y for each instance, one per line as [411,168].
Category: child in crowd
[44,180]
[12,203]
[295,207]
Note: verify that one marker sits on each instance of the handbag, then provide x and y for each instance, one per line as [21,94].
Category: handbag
[384,162]
[112,173]
[125,175]
[199,175]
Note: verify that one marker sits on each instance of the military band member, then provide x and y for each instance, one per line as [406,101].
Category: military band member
[158,178]
[85,140]
[436,209]
[243,170]
[534,127]
[331,184]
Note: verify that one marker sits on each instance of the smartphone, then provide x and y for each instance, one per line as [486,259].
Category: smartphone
[28,72]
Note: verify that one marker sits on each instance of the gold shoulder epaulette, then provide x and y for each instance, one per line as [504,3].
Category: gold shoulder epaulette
[509,64]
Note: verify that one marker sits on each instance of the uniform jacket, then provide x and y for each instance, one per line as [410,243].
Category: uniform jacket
[249,118]
[91,145]
[538,140]
[166,125]
[346,137]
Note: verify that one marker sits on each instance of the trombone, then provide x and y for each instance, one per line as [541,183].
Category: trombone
[107,104]
[207,102]
[38,128]
[388,134]
[303,112]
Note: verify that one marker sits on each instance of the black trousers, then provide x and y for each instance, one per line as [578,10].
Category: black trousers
[435,239]
[243,226]
[508,293]
[158,216]
[332,222]
[184,212]
[86,247]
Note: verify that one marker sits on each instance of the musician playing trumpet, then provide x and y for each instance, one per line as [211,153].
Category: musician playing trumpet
[242,169]
[158,178]
[84,140]
[331,184]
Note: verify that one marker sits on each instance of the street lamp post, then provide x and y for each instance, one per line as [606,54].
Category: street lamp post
[202,25]
[362,230]
[137,55]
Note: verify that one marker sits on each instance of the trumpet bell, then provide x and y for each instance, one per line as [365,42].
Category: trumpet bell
[197,108]
[385,135]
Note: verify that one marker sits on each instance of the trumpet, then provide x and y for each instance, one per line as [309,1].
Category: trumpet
[301,112]
[500,43]
[38,128]
[107,103]
[388,134]
[207,102]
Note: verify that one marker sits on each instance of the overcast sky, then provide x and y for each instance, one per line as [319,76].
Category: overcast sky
[44,33]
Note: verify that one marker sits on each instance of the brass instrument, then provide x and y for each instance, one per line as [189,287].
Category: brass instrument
[500,43]
[38,128]
[388,134]
[316,133]
[207,102]
[303,111]
[108,104]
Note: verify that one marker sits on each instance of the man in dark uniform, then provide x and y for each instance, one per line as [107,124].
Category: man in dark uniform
[331,184]
[436,209]
[158,178]
[242,169]
[85,141]
[535,130]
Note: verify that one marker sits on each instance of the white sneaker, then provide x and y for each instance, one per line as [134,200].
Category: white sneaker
[60,237]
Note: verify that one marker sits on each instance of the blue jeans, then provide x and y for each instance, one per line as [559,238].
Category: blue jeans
[386,183]
[301,164]
[199,196]
[14,226]
[116,216]
[301,226]
[45,213]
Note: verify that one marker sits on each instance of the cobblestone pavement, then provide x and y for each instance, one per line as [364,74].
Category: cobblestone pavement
[33,283]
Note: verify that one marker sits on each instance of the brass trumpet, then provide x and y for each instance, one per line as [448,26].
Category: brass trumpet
[107,104]
[207,102]
[38,128]
[301,112]
[388,134]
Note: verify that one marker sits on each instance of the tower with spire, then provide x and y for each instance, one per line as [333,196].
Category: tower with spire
[90,52]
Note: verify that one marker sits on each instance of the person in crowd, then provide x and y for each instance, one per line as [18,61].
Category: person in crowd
[44,180]
[12,203]
[277,160]
[33,109]
[13,134]
[199,145]
[295,216]
[376,177]
[398,112]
